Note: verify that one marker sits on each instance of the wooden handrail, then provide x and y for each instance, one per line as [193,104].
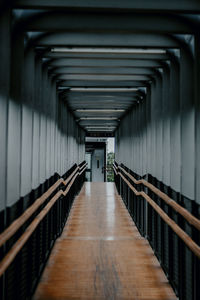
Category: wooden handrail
[10,256]
[83,169]
[177,207]
[182,234]
[72,181]
[69,186]
[7,260]
[83,166]
[115,170]
[65,182]
[14,227]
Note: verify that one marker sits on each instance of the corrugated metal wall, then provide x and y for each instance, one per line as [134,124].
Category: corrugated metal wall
[38,135]
[160,135]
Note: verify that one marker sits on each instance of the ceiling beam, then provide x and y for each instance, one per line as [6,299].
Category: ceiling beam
[99,101]
[97,105]
[139,5]
[103,70]
[99,39]
[98,122]
[49,54]
[75,21]
[99,96]
[107,78]
[98,83]
[75,62]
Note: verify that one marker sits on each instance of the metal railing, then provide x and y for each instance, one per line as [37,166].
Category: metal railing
[26,244]
[172,231]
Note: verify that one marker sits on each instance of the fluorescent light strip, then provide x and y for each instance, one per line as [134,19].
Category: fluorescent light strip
[108,50]
[63,88]
[100,129]
[98,118]
[80,89]
[99,110]
[95,127]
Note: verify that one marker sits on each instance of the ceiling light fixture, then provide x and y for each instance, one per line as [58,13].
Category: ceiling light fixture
[63,88]
[107,50]
[82,110]
[100,127]
[98,118]
[81,89]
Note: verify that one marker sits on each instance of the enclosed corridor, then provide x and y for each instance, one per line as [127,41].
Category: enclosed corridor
[72,70]
[101,254]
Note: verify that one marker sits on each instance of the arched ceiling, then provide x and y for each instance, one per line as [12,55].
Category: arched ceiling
[105,54]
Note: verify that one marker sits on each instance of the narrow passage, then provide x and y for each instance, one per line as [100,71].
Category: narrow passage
[101,254]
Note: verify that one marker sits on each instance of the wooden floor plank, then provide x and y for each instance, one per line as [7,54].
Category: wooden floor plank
[101,254]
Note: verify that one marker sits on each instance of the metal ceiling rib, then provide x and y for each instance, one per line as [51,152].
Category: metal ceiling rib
[142,5]
[102,61]
[123,71]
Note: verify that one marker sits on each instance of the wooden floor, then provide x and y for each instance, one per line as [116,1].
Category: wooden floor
[101,254]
